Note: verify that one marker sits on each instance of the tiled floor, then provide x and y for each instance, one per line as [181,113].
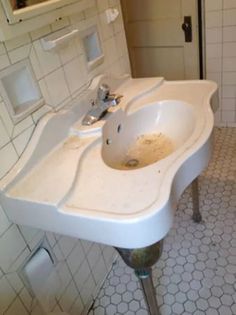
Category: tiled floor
[197,271]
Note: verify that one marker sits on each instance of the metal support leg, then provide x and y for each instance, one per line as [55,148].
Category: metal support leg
[149,292]
[141,260]
[197,217]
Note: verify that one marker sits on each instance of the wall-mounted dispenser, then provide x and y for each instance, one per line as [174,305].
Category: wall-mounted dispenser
[20,90]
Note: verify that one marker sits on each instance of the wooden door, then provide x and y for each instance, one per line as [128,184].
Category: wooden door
[156,40]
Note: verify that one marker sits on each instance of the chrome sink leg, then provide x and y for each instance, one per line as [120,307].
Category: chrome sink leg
[141,260]
[197,217]
[149,292]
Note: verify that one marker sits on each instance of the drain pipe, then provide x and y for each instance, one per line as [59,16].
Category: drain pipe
[142,260]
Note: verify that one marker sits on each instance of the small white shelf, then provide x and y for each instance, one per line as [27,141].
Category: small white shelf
[58,39]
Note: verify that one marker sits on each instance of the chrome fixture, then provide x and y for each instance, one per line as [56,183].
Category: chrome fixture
[104,101]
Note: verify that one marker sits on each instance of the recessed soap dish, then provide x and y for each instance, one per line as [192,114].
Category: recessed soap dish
[92,47]
[20,90]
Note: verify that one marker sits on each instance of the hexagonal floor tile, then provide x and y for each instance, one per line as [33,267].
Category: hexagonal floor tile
[196,273]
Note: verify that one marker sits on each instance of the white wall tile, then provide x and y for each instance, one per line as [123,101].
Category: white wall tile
[228,116]
[35,64]
[86,245]
[4,138]
[214,65]
[229,78]
[4,222]
[213,5]
[109,255]
[68,52]
[229,34]
[57,87]
[229,64]
[69,297]
[214,19]
[214,51]
[49,61]
[229,104]
[106,29]
[28,233]
[7,294]
[6,118]
[77,307]
[111,52]
[43,31]
[26,299]
[87,290]
[229,91]
[76,258]
[214,35]
[40,113]
[59,24]
[76,74]
[229,17]
[8,158]
[76,17]
[51,238]
[229,50]
[4,61]
[20,260]
[19,53]
[93,255]
[67,244]
[229,4]
[22,126]
[215,76]
[99,270]
[45,92]
[102,5]
[21,141]
[16,308]
[17,42]
[11,246]
[2,49]
[15,282]
[82,275]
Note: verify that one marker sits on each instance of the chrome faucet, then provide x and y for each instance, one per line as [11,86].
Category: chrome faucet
[104,101]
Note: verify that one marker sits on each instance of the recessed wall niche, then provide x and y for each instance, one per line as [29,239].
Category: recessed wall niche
[92,47]
[20,90]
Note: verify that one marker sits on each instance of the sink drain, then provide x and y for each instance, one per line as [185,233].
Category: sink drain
[132,163]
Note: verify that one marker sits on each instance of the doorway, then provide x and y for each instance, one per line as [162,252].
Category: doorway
[163,38]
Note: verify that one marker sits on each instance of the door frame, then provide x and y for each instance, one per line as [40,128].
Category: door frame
[201,38]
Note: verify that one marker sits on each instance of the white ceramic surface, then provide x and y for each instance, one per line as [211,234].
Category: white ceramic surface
[63,182]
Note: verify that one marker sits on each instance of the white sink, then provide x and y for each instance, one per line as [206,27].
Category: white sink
[91,183]
[148,135]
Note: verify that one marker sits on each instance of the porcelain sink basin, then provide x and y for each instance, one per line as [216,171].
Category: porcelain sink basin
[150,134]
[118,181]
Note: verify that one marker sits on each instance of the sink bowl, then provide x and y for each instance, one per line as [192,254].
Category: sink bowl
[150,134]
[118,181]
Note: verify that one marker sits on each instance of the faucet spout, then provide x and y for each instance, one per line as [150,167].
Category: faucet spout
[104,101]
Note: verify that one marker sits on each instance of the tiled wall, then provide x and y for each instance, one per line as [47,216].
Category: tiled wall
[221,56]
[82,265]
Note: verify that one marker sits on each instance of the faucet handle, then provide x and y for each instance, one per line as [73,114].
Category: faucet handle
[115,99]
[103,92]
